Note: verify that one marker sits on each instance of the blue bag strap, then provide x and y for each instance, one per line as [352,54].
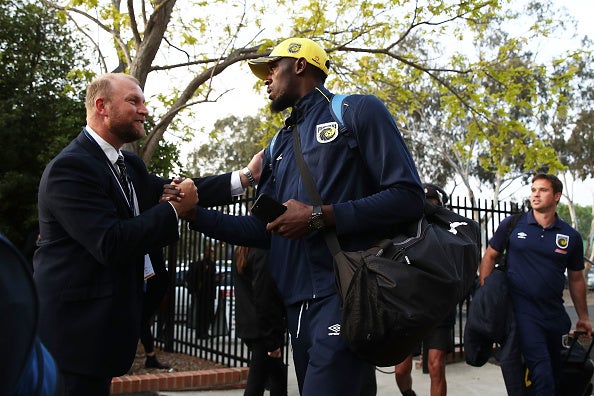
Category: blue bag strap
[270,147]
[337,108]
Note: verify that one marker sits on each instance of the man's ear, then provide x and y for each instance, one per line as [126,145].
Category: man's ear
[100,105]
[300,65]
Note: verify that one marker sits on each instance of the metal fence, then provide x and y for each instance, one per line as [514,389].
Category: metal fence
[173,327]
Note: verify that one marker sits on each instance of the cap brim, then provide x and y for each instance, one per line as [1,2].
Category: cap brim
[259,66]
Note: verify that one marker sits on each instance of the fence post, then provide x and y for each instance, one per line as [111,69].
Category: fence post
[170,320]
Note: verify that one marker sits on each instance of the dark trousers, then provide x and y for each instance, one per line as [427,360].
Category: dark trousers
[265,370]
[324,364]
[540,343]
[510,359]
[78,385]
[202,312]
[156,287]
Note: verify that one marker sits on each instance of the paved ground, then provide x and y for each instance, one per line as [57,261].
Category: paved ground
[462,380]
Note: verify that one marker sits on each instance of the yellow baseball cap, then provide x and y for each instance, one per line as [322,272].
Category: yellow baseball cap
[294,47]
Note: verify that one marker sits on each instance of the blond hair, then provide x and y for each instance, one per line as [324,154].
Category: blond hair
[102,87]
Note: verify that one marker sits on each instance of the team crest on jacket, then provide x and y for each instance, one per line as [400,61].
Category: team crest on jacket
[562,241]
[327,132]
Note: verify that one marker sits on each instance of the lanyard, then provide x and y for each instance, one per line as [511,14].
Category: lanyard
[131,205]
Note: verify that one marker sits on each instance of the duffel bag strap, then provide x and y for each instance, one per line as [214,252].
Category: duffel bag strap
[312,191]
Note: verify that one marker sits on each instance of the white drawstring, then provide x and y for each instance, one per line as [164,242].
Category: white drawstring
[306,304]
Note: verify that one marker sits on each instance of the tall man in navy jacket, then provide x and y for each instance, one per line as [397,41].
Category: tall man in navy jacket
[98,244]
[368,183]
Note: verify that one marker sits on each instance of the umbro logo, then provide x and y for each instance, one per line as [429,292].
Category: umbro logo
[334,330]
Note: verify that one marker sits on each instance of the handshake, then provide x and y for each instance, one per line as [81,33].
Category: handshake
[183,195]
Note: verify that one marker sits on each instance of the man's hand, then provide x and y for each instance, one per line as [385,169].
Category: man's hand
[188,198]
[275,354]
[171,192]
[294,223]
[585,326]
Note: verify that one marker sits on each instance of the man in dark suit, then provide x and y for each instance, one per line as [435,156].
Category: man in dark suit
[101,237]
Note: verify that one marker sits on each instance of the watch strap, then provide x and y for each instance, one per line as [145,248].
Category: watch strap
[249,176]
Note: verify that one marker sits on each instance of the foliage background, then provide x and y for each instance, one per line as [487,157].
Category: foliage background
[41,107]
[476,101]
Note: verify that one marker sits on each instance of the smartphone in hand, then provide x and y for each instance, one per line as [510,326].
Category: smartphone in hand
[267,208]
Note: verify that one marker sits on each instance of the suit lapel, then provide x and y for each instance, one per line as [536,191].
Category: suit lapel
[93,149]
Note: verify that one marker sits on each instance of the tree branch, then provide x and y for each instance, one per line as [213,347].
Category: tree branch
[235,56]
[133,24]
[93,42]
[102,26]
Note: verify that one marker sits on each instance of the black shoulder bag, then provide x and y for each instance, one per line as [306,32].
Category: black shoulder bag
[395,292]
[490,312]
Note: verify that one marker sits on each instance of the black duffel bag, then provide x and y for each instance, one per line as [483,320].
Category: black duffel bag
[395,293]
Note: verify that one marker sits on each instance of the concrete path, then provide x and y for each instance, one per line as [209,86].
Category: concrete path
[462,380]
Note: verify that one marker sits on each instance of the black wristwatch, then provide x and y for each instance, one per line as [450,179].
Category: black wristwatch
[316,220]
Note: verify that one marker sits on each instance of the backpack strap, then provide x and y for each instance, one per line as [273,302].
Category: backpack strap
[337,109]
[510,228]
[512,224]
[270,147]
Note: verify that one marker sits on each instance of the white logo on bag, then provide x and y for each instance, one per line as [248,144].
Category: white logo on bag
[334,329]
[455,225]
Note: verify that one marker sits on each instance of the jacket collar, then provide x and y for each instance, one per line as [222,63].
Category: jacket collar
[304,105]
[110,152]
[90,145]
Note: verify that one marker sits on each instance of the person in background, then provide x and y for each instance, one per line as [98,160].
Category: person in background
[541,247]
[156,288]
[201,283]
[260,321]
[439,342]
[368,183]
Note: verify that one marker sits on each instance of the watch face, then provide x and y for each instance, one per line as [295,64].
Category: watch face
[316,221]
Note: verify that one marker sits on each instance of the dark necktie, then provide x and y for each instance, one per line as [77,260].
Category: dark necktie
[124,179]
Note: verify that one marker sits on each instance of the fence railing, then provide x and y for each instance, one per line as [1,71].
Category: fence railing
[176,327]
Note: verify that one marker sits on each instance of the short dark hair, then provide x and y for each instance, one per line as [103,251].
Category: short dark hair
[555,182]
[318,73]
[433,191]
